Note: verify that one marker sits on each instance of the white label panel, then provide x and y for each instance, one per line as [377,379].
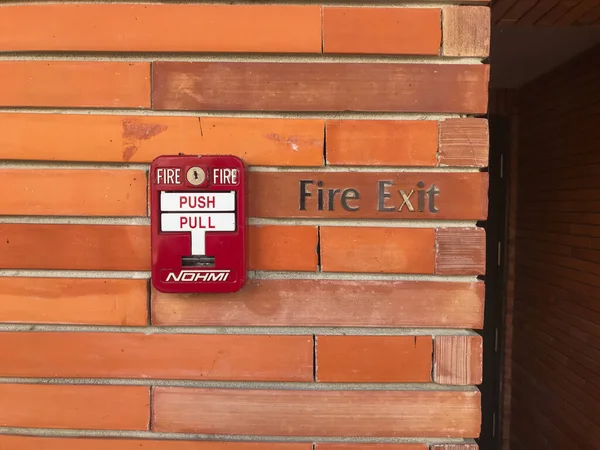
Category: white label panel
[197,201]
[198,222]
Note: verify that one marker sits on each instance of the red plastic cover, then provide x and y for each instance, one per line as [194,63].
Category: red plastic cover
[198,222]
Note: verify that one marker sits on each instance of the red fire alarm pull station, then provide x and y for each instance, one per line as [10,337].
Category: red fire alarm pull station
[198,221]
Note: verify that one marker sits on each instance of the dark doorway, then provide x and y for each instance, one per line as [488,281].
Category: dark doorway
[495,281]
[541,385]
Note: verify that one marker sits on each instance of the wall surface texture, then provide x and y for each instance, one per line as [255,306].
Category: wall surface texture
[357,327]
[556,341]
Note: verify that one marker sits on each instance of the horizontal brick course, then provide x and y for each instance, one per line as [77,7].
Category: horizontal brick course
[156,356]
[79,301]
[349,413]
[161,28]
[373,359]
[401,31]
[343,249]
[361,195]
[444,251]
[264,142]
[75,84]
[72,192]
[277,194]
[351,303]
[254,86]
[75,407]
[127,247]
[113,138]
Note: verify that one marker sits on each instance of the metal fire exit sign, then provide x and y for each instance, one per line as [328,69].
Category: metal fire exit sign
[198,223]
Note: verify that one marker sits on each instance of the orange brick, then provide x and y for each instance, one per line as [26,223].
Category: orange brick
[73,301]
[462,196]
[458,360]
[258,412]
[383,250]
[74,407]
[57,443]
[60,443]
[73,192]
[455,447]
[328,303]
[399,31]
[352,446]
[374,359]
[382,142]
[460,251]
[59,137]
[317,87]
[75,84]
[156,356]
[75,247]
[466,31]
[283,248]
[464,142]
[161,28]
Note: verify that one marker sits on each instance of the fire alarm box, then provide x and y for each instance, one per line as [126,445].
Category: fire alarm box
[198,223]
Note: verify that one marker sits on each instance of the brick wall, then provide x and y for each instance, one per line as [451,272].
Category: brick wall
[356,330]
[557,292]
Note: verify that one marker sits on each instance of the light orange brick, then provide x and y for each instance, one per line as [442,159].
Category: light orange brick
[73,84]
[377,250]
[382,143]
[374,359]
[466,30]
[59,137]
[458,360]
[73,192]
[161,28]
[76,301]
[460,251]
[464,142]
[399,31]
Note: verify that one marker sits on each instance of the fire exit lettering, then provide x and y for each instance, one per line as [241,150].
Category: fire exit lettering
[390,197]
